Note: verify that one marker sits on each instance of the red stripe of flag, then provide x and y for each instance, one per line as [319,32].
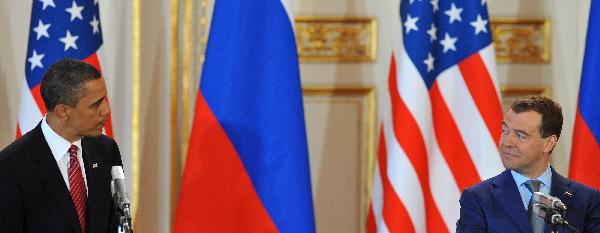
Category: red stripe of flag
[410,138]
[483,91]
[451,143]
[395,214]
[583,167]
[37,96]
[213,199]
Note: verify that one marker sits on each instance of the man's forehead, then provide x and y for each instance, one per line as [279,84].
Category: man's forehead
[526,120]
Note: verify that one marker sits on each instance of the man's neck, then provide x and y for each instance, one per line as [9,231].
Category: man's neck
[59,127]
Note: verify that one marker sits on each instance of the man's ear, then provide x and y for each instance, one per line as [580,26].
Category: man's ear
[550,143]
[63,111]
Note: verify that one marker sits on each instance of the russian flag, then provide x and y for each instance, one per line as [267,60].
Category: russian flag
[247,166]
[585,153]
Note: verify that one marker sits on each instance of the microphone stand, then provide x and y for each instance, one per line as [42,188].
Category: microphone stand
[555,218]
[124,214]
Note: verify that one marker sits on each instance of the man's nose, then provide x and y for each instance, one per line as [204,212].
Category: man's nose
[104,109]
[508,140]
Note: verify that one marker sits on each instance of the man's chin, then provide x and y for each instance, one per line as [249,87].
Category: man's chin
[95,133]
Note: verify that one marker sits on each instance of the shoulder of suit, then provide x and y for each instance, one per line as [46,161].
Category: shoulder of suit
[20,146]
[581,187]
[102,139]
[487,184]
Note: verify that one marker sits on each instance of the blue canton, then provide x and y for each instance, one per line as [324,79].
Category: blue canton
[438,34]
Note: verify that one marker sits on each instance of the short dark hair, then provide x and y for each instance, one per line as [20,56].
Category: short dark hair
[64,82]
[551,111]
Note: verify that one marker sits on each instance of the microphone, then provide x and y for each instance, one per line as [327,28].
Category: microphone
[548,215]
[121,200]
[552,216]
[549,201]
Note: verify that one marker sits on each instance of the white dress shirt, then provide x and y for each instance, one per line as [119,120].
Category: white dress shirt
[60,150]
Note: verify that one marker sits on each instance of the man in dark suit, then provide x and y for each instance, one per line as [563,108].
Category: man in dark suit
[530,130]
[57,177]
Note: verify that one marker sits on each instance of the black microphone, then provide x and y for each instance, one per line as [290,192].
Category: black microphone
[121,200]
[552,216]
[549,201]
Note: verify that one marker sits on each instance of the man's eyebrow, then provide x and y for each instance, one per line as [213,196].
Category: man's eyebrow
[523,132]
[98,101]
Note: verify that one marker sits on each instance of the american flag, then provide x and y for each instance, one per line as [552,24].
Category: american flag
[58,30]
[440,129]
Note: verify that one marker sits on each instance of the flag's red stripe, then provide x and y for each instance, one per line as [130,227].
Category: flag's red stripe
[585,154]
[410,138]
[394,213]
[93,60]
[18,131]
[451,143]
[37,96]
[217,194]
[483,91]
[371,224]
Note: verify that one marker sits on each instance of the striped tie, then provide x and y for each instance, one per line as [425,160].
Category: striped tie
[537,223]
[77,187]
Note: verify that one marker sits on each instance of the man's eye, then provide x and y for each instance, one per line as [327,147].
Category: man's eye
[521,136]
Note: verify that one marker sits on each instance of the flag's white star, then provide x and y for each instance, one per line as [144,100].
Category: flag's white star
[448,43]
[36,60]
[95,2]
[41,30]
[483,2]
[432,33]
[95,25]
[47,3]
[75,11]
[411,23]
[435,4]
[429,62]
[479,25]
[69,41]
[454,13]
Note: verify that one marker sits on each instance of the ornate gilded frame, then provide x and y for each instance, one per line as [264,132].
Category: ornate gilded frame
[367,126]
[336,39]
[521,40]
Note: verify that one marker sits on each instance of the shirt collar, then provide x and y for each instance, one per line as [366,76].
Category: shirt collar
[58,145]
[545,178]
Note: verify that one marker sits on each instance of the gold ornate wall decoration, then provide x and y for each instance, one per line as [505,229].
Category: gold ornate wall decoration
[521,40]
[512,93]
[336,39]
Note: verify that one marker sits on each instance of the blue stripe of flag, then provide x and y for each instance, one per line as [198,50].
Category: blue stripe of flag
[590,77]
[251,83]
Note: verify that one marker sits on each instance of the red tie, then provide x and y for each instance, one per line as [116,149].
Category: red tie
[77,186]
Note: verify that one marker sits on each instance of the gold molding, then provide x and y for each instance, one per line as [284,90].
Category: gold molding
[523,40]
[369,123]
[135,124]
[511,93]
[174,69]
[336,39]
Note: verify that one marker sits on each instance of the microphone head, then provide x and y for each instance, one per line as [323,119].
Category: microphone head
[540,210]
[117,172]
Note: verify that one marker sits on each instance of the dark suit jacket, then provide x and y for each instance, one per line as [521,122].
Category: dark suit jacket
[495,205]
[33,193]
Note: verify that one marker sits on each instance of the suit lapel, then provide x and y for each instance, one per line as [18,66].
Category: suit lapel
[51,178]
[560,187]
[507,195]
[92,172]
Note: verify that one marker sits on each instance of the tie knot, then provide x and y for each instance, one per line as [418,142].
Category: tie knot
[73,150]
[533,185]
